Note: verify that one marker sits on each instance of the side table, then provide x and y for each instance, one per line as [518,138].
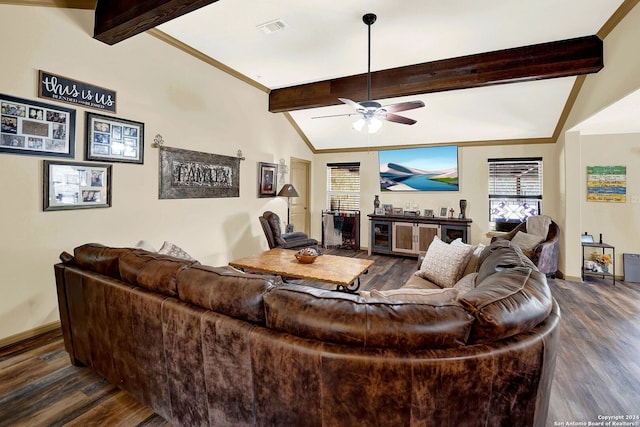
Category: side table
[605,248]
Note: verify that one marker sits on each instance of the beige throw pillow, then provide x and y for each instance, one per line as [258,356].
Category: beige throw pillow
[472,265]
[526,241]
[143,244]
[170,249]
[443,263]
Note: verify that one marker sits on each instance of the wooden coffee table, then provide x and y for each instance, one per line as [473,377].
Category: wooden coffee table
[342,271]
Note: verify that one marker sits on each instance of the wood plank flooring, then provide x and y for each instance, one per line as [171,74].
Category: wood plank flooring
[597,371]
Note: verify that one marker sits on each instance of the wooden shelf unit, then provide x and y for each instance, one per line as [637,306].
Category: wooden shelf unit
[603,274]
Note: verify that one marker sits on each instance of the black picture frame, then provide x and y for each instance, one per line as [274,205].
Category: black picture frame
[267,179]
[75,185]
[35,128]
[112,139]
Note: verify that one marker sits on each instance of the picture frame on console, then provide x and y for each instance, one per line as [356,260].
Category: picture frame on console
[113,139]
[444,212]
[388,209]
[267,179]
[75,185]
[428,213]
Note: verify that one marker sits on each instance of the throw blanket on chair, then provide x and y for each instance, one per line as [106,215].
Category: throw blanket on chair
[538,225]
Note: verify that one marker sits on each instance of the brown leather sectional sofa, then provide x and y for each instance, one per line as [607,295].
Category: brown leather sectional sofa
[214,346]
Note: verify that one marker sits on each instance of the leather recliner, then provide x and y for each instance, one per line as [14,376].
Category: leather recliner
[295,240]
[545,255]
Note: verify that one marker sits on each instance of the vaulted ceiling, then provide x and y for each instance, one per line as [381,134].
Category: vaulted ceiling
[499,71]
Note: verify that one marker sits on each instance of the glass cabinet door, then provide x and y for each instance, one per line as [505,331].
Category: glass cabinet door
[381,231]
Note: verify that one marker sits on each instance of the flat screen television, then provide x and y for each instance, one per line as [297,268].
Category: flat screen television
[419,169]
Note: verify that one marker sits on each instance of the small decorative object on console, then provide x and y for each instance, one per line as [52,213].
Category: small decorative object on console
[307,255]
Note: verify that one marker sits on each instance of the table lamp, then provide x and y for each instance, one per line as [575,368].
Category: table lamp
[288,191]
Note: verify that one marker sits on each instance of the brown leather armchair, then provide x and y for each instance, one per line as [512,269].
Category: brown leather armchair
[295,240]
[545,254]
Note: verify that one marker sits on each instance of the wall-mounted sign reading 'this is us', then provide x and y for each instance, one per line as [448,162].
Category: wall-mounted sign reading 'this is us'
[63,89]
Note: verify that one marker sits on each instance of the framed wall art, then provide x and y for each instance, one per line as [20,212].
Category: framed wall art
[267,179]
[419,169]
[607,184]
[72,185]
[35,128]
[186,174]
[113,139]
[64,89]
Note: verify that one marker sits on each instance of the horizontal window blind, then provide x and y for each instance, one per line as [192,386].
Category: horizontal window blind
[512,178]
[515,188]
[343,186]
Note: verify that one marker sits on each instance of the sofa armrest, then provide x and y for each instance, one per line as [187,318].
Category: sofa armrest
[295,235]
[299,243]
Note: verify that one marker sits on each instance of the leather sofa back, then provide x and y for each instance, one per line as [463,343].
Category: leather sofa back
[221,289]
[226,291]
[341,318]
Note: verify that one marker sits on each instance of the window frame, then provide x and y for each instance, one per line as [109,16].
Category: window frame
[356,194]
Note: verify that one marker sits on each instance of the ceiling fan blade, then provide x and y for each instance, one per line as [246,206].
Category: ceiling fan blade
[359,108]
[403,106]
[399,119]
[335,115]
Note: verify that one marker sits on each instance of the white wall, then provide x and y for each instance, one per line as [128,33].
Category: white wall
[619,223]
[619,77]
[191,104]
[473,171]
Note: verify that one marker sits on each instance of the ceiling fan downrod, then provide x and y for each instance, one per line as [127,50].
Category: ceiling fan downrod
[369,19]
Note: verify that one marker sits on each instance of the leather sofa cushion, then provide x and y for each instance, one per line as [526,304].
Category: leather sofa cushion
[342,318]
[509,301]
[225,290]
[100,258]
[151,271]
[498,256]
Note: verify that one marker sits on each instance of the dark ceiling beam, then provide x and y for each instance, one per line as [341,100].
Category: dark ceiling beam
[117,20]
[564,58]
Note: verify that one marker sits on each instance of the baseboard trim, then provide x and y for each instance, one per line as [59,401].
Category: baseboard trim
[14,339]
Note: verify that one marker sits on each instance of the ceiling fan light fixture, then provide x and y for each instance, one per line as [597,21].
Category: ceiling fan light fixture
[374,125]
[358,124]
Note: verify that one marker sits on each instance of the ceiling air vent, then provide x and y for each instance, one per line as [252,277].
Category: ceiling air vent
[272,26]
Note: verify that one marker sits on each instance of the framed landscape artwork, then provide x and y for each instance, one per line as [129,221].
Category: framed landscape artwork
[35,128]
[113,139]
[419,169]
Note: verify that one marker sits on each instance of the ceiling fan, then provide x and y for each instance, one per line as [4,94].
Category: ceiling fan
[373,112]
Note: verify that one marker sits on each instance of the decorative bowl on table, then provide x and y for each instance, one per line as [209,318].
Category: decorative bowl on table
[307,255]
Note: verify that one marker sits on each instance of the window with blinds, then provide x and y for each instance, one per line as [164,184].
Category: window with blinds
[343,186]
[515,189]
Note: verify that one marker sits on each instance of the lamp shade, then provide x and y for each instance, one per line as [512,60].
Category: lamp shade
[288,191]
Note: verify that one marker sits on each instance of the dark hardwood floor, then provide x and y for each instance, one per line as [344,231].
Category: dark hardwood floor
[597,371]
